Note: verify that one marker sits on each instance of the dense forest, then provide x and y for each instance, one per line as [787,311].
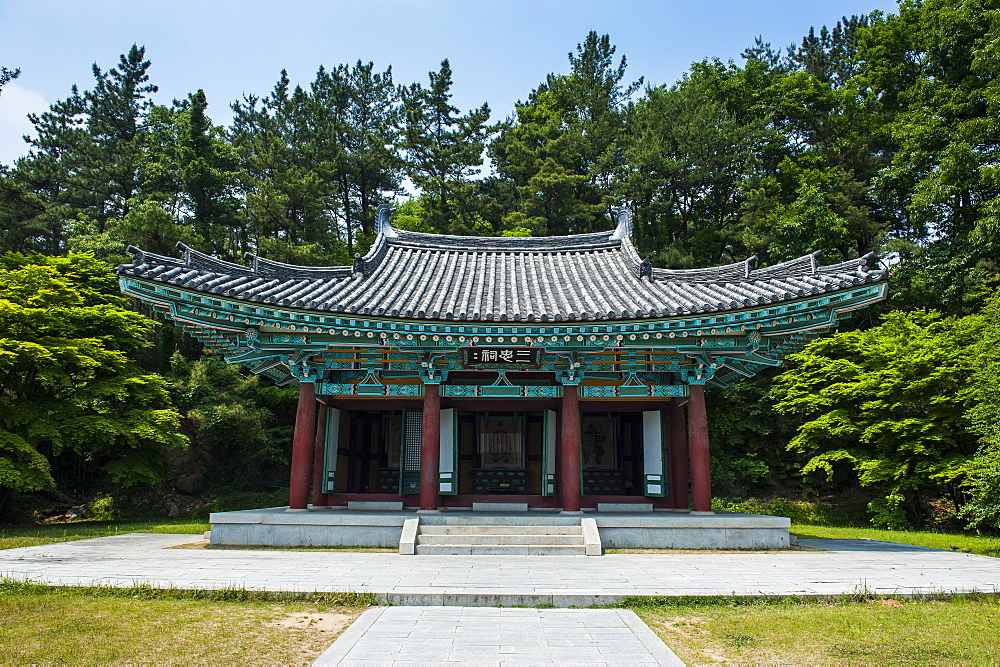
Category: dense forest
[878,134]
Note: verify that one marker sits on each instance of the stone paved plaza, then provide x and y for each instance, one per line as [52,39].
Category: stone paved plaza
[450,606]
[846,566]
[491,636]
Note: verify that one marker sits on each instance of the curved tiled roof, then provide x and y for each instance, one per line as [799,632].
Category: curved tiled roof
[596,276]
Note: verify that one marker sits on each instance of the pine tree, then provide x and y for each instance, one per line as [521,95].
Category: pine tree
[563,150]
[8,75]
[444,149]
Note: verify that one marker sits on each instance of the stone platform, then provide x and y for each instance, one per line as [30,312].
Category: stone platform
[277,526]
[829,567]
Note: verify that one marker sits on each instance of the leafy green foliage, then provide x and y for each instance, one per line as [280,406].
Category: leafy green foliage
[743,430]
[239,429]
[315,164]
[983,509]
[67,387]
[689,162]
[887,405]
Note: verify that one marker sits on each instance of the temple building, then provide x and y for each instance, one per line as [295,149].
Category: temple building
[447,372]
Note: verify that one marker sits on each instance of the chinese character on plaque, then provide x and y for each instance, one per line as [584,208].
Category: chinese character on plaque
[501,357]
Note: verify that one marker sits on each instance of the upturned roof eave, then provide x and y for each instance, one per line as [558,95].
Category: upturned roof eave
[436,322]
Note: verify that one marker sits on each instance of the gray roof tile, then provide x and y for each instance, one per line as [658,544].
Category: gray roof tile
[563,278]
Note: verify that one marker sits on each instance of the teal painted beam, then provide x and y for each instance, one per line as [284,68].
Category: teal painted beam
[257,335]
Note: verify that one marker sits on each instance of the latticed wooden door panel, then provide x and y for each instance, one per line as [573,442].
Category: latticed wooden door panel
[413,424]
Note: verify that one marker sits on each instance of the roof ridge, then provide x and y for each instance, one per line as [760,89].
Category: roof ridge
[742,269]
[404,234]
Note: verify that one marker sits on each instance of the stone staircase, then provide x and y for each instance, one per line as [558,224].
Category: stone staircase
[579,540]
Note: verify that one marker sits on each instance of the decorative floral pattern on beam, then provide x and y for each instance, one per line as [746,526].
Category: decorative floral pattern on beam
[293,339]
[343,389]
[484,391]
[656,391]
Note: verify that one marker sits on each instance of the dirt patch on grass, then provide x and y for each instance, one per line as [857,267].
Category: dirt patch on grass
[197,544]
[314,622]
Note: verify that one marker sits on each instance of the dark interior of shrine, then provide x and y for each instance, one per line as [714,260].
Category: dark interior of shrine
[496,453]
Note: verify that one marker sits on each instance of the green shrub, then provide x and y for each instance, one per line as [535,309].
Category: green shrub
[103,508]
[243,500]
[799,511]
[888,512]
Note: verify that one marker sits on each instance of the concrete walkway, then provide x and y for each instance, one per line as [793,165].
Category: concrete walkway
[562,581]
[491,636]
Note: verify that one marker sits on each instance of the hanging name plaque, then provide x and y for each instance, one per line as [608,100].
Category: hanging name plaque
[501,357]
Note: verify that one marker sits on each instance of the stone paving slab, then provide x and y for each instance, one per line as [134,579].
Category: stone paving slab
[493,636]
[848,566]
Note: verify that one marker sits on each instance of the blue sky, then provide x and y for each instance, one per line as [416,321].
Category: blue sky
[499,50]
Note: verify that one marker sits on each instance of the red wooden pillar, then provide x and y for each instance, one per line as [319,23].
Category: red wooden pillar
[701,475]
[319,498]
[678,457]
[569,450]
[430,448]
[302,447]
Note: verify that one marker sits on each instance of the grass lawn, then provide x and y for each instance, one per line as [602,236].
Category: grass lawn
[142,626]
[30,536]
[888,631]
[985,546]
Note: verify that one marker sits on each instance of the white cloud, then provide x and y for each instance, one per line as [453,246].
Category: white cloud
[16,102]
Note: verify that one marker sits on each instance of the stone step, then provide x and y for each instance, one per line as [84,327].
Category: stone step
[426,529]
[524,540]
[500,550]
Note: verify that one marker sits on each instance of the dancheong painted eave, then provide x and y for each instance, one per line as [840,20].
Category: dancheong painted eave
[572,279]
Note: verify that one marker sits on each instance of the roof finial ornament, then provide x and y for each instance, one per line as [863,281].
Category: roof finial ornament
[814,261]
[624,228]
[359,265]
[646,269]
[185,252]
[382,224]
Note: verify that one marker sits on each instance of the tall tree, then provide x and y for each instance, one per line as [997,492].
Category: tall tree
[317,162]
[930,70]
[70,398]
[286,197]
[562,149]
[357,116]
[191,171]
[108,169]
[85,157]
[690,166]
[444,149]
